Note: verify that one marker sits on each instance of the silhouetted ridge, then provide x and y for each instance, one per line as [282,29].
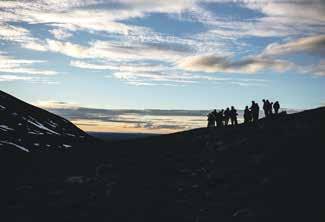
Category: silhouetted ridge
[25,127]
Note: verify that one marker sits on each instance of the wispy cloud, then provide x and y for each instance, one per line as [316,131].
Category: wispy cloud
[317,69]
[117,51]
[13,33]
[310,44]
[10,64]
[61,34]
[118,45]
[146,74]
[10,78]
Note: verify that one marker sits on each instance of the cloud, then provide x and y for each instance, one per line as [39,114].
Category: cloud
[87,65]
[67,48]
[319,69]
[311,44]
[12,65]
[13,33]
[10,78]
[307,11]
[140,74]
[79,15]
[144,77]
[117,66]
[316,69]
[148,74]
[212,63]
[30,79]
[61,34]
[213,49]
[56,105]
[115,51]
[127,120]
[35,45]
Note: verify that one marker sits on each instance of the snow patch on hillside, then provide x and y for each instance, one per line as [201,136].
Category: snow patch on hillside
[41,126]
[5,128]
[15,145]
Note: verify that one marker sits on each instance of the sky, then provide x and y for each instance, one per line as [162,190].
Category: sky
[160,65]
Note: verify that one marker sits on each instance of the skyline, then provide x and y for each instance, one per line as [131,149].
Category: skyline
[135,120]
[164,55]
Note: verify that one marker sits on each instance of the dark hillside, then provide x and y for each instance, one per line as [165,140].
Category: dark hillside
[28,128]
[272,171]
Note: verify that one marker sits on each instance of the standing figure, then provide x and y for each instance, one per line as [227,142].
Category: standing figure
[255,111]
[219,118]
[215,115]
[233,116]
[269,108]
[265,108]
[276,107]
[212,118]
[222,117]
[247,115]
[227,116]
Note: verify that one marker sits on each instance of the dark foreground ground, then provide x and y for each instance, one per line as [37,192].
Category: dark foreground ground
[120,136]
[272,171]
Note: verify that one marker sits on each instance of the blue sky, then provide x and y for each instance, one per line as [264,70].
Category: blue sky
[171,54]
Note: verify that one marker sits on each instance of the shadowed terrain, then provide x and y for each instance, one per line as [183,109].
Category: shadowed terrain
[119,136]
[271,171]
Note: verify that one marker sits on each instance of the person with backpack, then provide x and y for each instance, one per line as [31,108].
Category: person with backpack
[276,107]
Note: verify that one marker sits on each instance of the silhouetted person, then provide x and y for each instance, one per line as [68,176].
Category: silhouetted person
[276,107]
[233,116]
[227,116]
[271,109]
[247,115]
[219,118]
[222,116]
[268,108]
[265,108]
[255,109]
[215,116]
[212,118]
[209,119]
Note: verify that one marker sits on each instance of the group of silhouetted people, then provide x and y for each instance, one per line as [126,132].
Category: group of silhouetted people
[222,117]
[268,106]
[251,114]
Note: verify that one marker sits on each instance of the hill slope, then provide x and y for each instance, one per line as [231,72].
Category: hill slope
[27,128]
[272,171]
